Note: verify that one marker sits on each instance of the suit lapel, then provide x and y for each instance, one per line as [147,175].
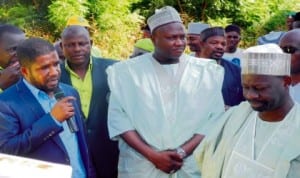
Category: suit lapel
[29,101]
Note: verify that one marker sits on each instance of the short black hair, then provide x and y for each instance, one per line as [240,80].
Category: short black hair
[31,48]
[234,28]
[7,28]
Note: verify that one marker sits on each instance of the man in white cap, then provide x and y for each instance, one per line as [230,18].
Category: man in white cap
[258,138]
[193,37]
[290,43]
[160,103]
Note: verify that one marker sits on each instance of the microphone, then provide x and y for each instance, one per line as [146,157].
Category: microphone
[59,94]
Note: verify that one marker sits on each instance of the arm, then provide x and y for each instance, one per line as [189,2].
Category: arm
[14,139]
[121,126]
[191,144]
[22,131]
[166,161]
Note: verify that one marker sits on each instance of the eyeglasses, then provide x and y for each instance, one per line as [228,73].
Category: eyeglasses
[290,49]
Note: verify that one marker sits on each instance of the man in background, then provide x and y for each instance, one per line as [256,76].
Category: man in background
[143,45]
[193,37]
[87,74]
[10,37]
[213,44]
[275,36]
[233,37]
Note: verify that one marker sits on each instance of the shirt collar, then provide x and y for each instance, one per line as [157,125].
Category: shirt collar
[71,71]
[35,91]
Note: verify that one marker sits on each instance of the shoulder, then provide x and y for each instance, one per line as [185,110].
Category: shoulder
[229,65]
[203,63]
[199,61]
[103,61]
[13,90]
[132,63]
[236,116]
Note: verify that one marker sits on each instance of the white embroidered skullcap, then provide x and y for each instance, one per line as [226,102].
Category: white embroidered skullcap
[163,16]
[196,27]
[267,59]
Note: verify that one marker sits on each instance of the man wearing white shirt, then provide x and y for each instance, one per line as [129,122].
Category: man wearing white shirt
[160,103]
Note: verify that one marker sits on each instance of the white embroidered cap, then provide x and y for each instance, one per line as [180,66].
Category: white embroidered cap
[196,27]
[163,16]
[267,59]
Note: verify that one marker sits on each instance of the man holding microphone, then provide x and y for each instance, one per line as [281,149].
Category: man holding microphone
[33,121]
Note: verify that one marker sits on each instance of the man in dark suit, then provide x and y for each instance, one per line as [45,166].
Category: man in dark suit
[33,123]
[87,74]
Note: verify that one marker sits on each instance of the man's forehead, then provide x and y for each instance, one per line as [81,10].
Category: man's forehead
[75,37]
[232,33]
[216,37]
[257,79]
[9,39]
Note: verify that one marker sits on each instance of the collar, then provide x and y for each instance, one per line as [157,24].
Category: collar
[68,68]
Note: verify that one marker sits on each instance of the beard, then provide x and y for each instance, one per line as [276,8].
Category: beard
[47,86]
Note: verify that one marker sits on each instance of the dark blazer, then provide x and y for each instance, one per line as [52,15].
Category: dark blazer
[104,151]
[232,89]
[26,130]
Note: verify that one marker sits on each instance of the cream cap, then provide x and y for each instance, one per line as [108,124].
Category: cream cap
[267,59]
[163,16]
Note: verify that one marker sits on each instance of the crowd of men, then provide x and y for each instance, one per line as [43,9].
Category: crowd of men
[220,112]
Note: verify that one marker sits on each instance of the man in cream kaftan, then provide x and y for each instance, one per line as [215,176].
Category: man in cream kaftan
[258,138]
[250,148]
[165,109]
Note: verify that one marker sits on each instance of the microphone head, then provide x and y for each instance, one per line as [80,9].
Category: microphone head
[58,93]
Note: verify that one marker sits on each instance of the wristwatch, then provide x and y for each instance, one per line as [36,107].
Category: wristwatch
[181,152]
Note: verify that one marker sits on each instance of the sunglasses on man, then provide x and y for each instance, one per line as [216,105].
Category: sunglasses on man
[290,49]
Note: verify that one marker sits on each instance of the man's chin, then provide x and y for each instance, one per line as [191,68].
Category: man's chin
[51,88]
[259,108]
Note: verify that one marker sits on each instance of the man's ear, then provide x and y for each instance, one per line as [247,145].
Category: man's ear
[24,72]
[287,81]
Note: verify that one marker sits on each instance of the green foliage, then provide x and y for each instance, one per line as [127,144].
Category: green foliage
[255,17]
[27,18]
[115,24]
[61,10]
[117,27]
